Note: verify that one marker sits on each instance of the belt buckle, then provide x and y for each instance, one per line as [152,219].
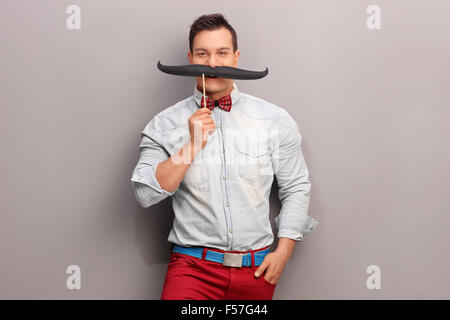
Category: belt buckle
[232,259]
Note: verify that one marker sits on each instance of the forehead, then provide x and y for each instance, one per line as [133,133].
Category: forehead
[213,39]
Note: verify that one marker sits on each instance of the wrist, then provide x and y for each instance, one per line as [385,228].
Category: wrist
[185,154]
[285,247]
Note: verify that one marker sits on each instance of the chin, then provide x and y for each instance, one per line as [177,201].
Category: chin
[216,85]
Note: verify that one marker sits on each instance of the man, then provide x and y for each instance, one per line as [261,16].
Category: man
[217,159]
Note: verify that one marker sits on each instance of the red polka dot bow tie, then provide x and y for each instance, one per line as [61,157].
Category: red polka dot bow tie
[223,103]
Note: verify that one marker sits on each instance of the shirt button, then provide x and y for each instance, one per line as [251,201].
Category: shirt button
[227,204]
[223,150]
[224,178]
[231,231]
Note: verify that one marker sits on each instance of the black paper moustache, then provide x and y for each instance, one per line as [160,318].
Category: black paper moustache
[196,70]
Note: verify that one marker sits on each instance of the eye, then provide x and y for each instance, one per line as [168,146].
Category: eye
[223,53]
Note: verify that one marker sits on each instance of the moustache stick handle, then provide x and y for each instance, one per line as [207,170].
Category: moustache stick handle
[204,96]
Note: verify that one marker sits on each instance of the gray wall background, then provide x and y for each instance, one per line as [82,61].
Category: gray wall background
[372,106]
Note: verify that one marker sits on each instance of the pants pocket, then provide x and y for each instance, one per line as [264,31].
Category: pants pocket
[267,282]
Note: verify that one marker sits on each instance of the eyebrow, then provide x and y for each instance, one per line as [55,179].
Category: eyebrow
[203,49]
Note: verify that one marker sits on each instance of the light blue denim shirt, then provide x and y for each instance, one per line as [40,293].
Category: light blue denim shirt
[223,200]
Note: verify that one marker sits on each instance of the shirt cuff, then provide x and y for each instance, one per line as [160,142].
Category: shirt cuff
[291,234]
[146,175]
[309,225]
[306,228]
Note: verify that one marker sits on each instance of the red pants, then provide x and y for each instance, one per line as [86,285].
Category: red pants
[188,277]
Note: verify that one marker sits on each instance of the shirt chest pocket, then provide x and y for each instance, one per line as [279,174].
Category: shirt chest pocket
[253,161]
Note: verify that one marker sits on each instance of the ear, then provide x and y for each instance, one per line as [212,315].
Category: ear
[189,56]
[236,58]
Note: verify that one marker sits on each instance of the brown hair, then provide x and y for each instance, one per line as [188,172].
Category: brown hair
[211,22]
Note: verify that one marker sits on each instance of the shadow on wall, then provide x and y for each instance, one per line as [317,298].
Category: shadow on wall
[153,225]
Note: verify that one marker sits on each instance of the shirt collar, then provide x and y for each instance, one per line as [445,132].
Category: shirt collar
[235,94]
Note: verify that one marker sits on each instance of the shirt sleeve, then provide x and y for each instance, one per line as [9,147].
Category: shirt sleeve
[292,176]
[146,187]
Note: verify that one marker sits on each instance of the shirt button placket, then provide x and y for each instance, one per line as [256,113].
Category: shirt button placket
[224,177]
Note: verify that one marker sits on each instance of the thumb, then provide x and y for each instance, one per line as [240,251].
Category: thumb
[261,269]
